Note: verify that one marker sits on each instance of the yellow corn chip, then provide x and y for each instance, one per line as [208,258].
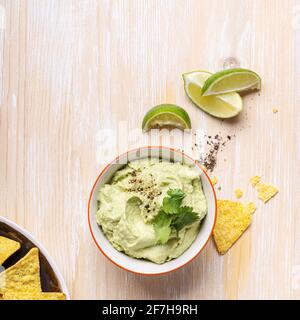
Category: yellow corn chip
[238,193]
[24,276]
[34,296]
[266,191]
[7,248]
[232,220]
[255,180]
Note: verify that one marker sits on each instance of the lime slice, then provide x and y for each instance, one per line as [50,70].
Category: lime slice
[223,106]
[231,80]
[166,115]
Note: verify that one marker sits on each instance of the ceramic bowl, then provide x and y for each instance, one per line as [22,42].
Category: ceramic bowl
[51,278]
[142,266]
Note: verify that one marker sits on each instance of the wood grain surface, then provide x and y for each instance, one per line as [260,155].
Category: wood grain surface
[76,78]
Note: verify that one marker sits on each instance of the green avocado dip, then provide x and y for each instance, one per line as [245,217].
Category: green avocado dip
[152,209]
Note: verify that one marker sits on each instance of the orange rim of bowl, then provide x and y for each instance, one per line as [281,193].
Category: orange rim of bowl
[93,189]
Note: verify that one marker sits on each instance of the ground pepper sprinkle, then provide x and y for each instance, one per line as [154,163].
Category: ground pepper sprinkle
[213,145]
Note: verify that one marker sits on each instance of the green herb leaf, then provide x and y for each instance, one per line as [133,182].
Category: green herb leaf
[185,217]
[172,215]
[162,226]
[176,193]
[172,203]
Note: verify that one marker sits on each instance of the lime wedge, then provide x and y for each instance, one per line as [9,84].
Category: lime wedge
[222,106]
[166,115]
[231,80]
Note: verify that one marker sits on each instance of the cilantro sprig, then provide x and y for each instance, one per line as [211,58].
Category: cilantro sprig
[173,215]
[172,203]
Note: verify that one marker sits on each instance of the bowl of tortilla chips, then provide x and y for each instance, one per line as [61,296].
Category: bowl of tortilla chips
[27,272]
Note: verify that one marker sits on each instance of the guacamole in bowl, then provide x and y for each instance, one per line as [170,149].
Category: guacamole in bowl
[152,209]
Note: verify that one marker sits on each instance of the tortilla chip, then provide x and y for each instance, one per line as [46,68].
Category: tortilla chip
[266,191]
[24,276]
[34,296]
[7,248]
[238,193]
[255,180]
[232,220]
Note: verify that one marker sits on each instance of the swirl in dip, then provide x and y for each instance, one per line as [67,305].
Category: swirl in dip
[128,205]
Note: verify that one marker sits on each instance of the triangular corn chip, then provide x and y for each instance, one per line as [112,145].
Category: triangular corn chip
[7,248]
[24,276]
[232,220]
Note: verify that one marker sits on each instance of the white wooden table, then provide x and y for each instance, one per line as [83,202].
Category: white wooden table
[75,74]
